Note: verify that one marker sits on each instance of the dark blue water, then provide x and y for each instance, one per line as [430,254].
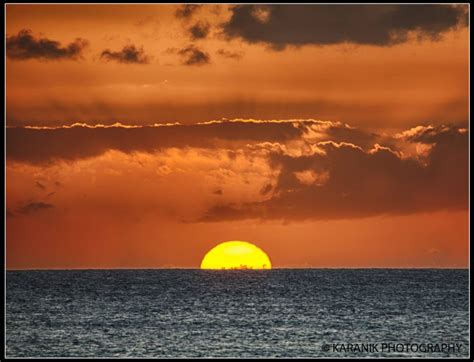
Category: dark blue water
[276,313]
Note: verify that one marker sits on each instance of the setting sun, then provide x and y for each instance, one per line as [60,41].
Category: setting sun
[236,255]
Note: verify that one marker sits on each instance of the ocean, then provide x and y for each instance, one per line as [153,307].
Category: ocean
[267,313]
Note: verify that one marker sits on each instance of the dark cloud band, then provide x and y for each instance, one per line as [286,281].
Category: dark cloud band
[46,145]
[380,25]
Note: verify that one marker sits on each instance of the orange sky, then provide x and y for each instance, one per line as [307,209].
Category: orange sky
[381,181]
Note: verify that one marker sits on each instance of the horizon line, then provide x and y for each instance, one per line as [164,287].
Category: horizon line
[274,268]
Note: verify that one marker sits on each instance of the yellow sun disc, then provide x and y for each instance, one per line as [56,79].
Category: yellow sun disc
[236,255]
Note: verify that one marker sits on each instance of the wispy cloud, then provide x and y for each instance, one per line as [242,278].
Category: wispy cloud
[34,206]
[236,55]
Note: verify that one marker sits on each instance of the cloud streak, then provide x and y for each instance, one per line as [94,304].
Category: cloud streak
[26,144]
[230,54]
[33,207]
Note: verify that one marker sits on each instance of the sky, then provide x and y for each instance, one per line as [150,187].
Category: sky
[140,136]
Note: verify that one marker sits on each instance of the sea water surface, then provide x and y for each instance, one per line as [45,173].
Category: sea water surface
[268,313]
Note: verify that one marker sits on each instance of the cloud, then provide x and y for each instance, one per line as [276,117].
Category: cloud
[430,134]
[129,55]
[194,56]
[315,169]
[199,30]
[380,25]
[43,145]
[346,181]
[270,170]
[339,132]
[33,206]
[230,54]
[186,11]
[266,189]
[40,185]
[25,45]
